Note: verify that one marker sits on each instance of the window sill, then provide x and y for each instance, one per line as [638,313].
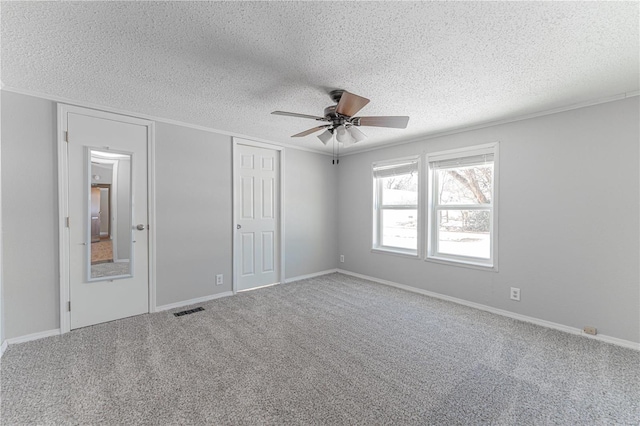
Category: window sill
[463,264]
[395,252]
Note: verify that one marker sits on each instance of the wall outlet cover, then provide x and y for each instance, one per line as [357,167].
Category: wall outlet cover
[342,258]
[515,294]
[219,279]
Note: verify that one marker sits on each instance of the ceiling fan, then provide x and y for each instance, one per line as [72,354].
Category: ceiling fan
[342,122]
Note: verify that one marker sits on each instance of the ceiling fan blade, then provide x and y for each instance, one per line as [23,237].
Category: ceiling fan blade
[308,132]
[398,122]
[350,104]
[295,114]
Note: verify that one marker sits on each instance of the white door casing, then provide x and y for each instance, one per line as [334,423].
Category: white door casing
[257,215]
[94,301]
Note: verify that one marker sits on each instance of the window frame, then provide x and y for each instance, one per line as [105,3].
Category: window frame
[433,209]
[378,209]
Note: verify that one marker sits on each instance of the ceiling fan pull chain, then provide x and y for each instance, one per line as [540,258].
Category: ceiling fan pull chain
[333,150]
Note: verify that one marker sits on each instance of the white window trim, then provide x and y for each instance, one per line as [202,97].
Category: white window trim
[376,247]
[464,261]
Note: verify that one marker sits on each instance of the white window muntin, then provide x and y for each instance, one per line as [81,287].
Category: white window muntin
[458,158]
[392,168]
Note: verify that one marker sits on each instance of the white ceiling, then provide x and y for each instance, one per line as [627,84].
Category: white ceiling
[227,65]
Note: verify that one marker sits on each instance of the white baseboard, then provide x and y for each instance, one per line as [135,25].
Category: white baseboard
[193,301]
[33,336]
[3,347]
[315,274]
[544,323]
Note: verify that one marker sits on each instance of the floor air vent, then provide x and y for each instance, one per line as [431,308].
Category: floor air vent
[190,311]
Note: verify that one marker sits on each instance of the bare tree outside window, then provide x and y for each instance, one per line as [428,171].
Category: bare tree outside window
[461,216]
[469,185]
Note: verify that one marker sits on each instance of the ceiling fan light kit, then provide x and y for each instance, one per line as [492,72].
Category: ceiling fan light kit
[357,134]
[342,122]
[325,136]
[342,136]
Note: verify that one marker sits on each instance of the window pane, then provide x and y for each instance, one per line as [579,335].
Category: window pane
[464,233]
[400,229]
[465,185]
[400,190]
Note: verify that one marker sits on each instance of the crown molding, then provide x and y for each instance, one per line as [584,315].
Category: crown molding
[354,150]
[462,129]
[120,111]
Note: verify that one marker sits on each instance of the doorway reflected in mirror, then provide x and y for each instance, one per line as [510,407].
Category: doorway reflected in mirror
[110,214]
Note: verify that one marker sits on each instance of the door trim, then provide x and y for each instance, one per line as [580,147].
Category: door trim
[281,151]
[63,203]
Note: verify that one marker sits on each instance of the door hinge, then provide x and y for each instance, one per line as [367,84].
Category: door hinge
[69,306]
[66,136]
[67,221]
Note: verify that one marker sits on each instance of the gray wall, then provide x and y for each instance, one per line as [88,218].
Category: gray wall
[194,213]
[568,220]
[311,221]
[2,334]
[193,209]
[193,196]
[569,217]
[29,215]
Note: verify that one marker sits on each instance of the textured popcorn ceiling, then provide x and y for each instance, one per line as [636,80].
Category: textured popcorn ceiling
[227,65]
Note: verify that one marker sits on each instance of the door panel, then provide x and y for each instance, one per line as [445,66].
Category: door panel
[110,290]
[267,251]
[247,197]
[267,198]
[257,215]
[248,254]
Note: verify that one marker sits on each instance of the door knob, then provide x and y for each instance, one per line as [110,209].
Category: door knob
[140,227]
[238,226]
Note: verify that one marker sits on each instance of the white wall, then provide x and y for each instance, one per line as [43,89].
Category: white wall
[123,213]
[569,220]
[105,171]
[194,207]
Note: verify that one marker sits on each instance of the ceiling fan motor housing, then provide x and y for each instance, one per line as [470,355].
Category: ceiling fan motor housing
[336,95]
[331,115]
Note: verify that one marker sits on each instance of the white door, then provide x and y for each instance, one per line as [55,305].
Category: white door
[257,195]
[108,278]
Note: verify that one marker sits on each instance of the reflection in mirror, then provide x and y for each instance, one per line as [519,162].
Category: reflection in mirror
[109,215]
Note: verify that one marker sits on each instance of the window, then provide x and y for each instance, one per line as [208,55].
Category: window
[462,199]
[396,194]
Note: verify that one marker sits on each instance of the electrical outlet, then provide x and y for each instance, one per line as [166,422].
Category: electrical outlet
[590,330]
[219,279]
[342,258]
[515,293]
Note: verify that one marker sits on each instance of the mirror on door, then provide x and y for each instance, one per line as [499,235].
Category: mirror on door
[110,230]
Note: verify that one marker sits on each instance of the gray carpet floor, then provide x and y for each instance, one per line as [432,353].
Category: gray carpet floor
[109,269]
[329,350]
